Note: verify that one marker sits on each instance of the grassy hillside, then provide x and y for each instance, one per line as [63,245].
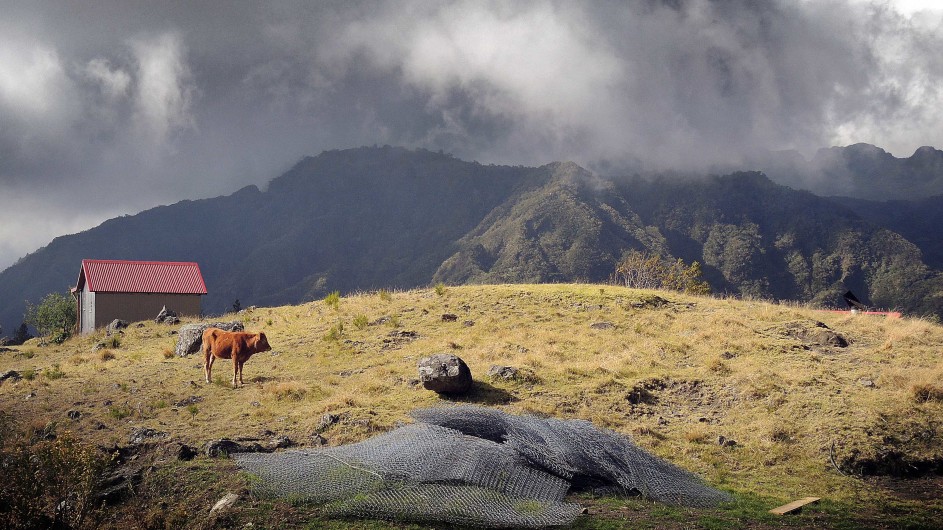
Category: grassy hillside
[807,416]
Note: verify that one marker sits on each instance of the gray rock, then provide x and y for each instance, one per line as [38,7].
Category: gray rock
[167,316]
[503,372]
[224,504]
[190,336]
[225,447]
[328,419]
[192,400]
[445,373]
[116,326]
[144,434]
[118,486]
[602,325]
[12,375]
[278,442]
[511,373]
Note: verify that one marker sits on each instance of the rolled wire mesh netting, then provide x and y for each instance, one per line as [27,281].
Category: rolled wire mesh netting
[473,466]
[581,453]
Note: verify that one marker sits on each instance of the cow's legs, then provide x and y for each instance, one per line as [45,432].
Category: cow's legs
[208,359]
[240,371]
[235,370]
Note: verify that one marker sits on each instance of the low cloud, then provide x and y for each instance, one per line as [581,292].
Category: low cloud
[177,101]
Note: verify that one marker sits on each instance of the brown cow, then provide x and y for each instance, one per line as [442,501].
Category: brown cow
[234,345]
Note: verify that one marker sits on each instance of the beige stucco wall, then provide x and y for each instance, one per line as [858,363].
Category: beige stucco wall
[135,307]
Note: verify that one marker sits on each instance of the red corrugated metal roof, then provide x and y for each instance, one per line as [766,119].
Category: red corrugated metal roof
[115,276]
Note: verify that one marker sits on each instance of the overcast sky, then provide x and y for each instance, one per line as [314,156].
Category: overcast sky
[114,106]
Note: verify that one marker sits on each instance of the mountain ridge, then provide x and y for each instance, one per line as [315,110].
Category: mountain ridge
[388,217]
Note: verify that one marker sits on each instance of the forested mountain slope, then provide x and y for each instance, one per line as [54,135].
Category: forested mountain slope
[369,218]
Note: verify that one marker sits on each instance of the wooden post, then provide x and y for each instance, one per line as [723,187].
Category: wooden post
[794,505]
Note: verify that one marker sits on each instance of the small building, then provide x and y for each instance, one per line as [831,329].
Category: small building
[135,290]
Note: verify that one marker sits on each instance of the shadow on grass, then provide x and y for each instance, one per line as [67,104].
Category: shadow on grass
[484,394]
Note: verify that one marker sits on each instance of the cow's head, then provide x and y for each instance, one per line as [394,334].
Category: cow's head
[261,343]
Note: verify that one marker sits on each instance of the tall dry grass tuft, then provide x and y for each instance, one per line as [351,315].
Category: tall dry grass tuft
[926,391]
[287,391]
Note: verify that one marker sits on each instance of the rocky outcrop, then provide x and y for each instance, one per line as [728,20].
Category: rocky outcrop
[167,316]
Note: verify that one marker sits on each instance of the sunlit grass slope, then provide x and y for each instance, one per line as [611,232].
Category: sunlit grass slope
[757,398]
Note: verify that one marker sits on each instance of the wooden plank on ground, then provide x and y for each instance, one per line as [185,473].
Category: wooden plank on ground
[794,505]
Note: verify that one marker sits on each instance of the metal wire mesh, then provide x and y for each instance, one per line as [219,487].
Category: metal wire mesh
[580,452]
[473,466]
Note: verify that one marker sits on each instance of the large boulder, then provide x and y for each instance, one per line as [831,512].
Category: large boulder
[445,373]
[116,326]
[190,336]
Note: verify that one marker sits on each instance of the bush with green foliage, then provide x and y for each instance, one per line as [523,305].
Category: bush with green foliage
[333,300]
[640,270]
[49,479]
[53,318]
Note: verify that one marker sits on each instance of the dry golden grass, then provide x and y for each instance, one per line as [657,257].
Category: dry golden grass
[924,392]
[78,359]
[287,390]
[675,377]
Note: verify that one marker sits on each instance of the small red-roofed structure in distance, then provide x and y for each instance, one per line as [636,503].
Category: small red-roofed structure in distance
[135,290]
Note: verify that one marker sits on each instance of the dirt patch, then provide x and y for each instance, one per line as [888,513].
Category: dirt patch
[922,489]
[904,446]
[678,398]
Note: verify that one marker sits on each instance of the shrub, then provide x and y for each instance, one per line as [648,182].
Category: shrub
[54,373]
[440,289]
[106,355]
[333,300]
[53,318]
[385,295]
[640,270]
[120,412]
[361,322]
[49,480]
[335,333]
